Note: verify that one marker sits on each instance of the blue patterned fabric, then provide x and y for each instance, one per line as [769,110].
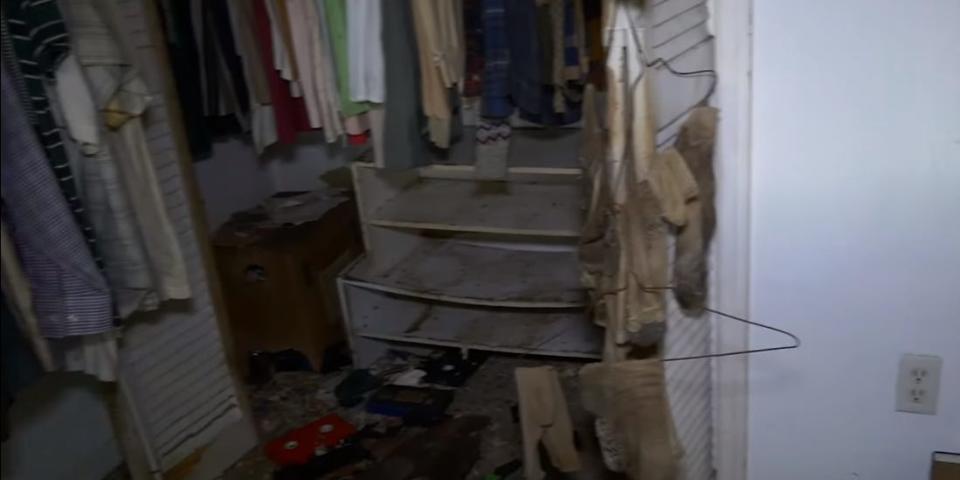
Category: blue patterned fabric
[525,56]
[35,37]
[70,295]
[496,61]
[571,54]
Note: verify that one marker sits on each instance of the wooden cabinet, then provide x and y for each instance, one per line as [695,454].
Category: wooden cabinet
[280,283]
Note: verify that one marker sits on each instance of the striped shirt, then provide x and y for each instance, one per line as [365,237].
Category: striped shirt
[70,295]
[35,35]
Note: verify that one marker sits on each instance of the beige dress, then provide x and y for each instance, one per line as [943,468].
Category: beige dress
[440,47]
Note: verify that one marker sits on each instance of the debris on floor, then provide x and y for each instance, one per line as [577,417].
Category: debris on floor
[398,425]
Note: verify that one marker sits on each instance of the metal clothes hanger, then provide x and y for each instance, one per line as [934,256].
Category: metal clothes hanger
[665,63]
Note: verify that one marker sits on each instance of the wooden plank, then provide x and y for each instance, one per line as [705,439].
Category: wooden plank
[512,208]
[529,147]
[471,274]
[561,333]
[374,188]
[514,174]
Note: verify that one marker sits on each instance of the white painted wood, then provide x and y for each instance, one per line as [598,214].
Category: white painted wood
[731,248]
[515,208]
[374,188]
[176,382]
[514,174]
[479,275]
[561,333]
[529,147]
[389,246]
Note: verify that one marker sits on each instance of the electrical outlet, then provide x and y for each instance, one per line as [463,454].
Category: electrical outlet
[918,384]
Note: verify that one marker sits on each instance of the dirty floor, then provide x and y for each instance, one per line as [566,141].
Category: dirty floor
[292,399]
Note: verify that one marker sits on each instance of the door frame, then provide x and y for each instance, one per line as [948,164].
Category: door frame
[730,276]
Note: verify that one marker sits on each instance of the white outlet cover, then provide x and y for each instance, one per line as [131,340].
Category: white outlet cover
[918,383]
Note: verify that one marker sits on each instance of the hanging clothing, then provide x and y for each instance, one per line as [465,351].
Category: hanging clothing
[492,148]
[594,43]
[184,64]
[164,254]
[637,196]
[35,39]
[302,56]
[96,355]
[227,86]
[263,128]
[16,287]
[402,121]
[335,16]
[473,48]
[695,145]
[364,29]
[544,419]
[314,65]
[79,113]
[333,27]
[241,25]
[143,262]
[497,69]
[631,397]
[20,367]
[122,97]
[281,37]
[438,27]
[523,45]
[290,113]
[596,237]
[70,295]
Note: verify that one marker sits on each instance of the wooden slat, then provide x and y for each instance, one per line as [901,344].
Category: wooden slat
[562,333]
[471,274]
[513,208]
[553,148]
[166,352]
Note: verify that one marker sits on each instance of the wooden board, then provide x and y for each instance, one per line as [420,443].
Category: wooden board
[543,209]
[464,273]
[529,147]
[562,333]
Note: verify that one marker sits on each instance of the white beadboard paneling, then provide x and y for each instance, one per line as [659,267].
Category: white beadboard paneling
[173,359]
[688,387]
[678,33]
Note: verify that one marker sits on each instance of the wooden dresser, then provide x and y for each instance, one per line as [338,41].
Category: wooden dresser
[279,282]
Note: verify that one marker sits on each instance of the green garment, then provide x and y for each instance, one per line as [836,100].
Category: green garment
[335,14]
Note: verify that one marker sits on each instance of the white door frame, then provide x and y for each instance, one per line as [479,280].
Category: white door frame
[732,22]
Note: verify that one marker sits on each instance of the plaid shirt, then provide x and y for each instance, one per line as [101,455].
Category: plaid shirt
[496,60]
[35,37]
[70,295]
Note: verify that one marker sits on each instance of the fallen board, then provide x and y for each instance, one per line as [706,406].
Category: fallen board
[465,273]
[560,333]
[516,208]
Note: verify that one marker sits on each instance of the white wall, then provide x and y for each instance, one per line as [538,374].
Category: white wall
[234,178]
[301,166]
[855,233]
[60,429]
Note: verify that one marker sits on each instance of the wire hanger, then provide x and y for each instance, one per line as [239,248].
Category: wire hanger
[795,339]
[665,63]
[659,61]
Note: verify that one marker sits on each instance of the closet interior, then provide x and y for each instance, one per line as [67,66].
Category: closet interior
[372,204]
